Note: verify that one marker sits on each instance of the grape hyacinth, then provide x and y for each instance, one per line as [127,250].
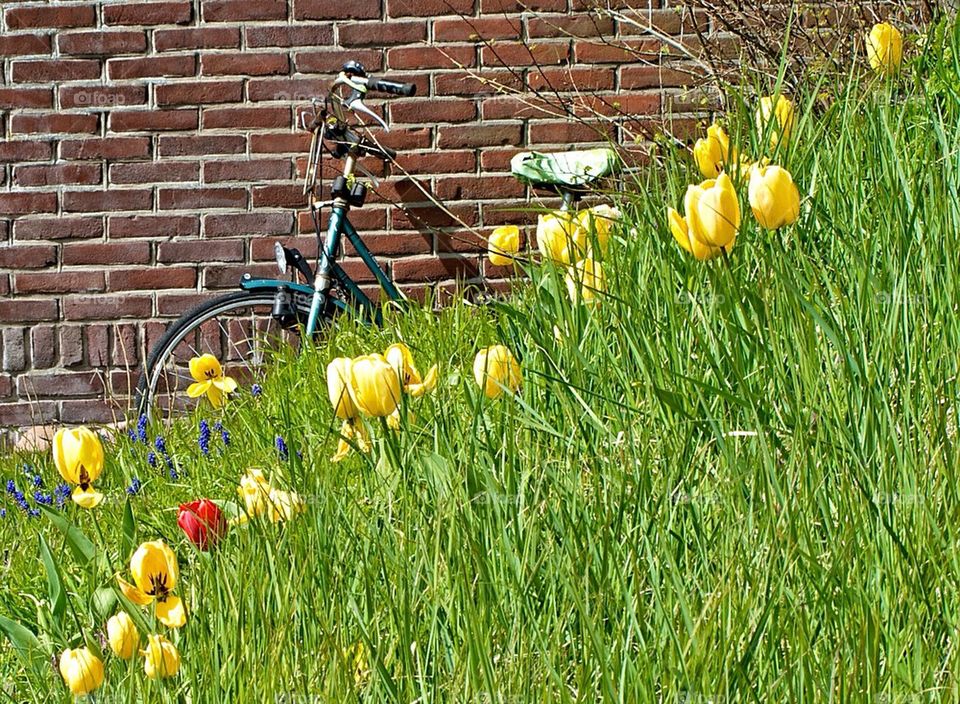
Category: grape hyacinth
[43,499]
[152,458]
[224,435]
[256,390]
[204,438]
[61,493]
[282,448]
[38,481]
[135,486]
[142,429]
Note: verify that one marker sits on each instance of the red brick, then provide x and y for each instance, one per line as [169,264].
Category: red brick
[520,106]
[86,383]
[153,66]
[201,38]
[28,310]
[637,77]
[428,8]
[381,34]
[331,60]
[567,132]
[435,269]
[153,120]
[430,218]
[25,150]
[336,9]
[245,64]
[43,350]
[246,171]
[41,71]
[199,93]
[520,54]
[27,256]
[291,35]
[571,78]
[125,346]
[114,199]
[579,25]
[201,145]
[36,175]
[155,172]
[486,82]
[226,276]
[289,90]
[236,118]
[279,196]
[57,17]
[478,188]
[624,52]
[106,253]
[282,143]
[444,162]
[53,122]
[154,226]
[59,282]
[463,29]
[202,198]
[106,148]
[90,411]
[248,224]
[489,135]
[417,57]
[102,43]
[244,10]
[201,251]
[147,13]
[419,111]
[27,413]
[27,203]
[25,44]
[150,279]
[102,97]
[107,307]
[501,6]
[26,98]
[65,228]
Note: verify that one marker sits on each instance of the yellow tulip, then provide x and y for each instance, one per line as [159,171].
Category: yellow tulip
[375,385]
[354,430]
[774,197]
[586,281]
[681,233]
[399,357]
[284,505]
[495,369]
[885,49]
[82,671]
[123,635]
[775,115]
[210,380]
[712,212]
[556,236]
[595,224]
[712,152]
[78,456]
[338,387]
[254,489]
[155,572]
[503,245]
[161,658]
[356,657]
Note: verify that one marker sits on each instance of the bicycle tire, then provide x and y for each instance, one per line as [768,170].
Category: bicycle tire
[191,321]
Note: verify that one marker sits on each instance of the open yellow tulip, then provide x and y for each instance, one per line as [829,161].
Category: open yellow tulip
[82,671]
[775,115]
[495,369]
[123,635]
[503,245]
[254,489]
[374,385]
[210,380]
[712,152]
[885,49]
[338,388]
[774,197]
[155,573]
[78,456]
[399,357]
[161,658]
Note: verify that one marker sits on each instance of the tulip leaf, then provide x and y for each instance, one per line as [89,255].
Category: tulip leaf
[231,509]
[55,591]
[129,529]
[23,640]
[79,544]
[104,602]
[134,611]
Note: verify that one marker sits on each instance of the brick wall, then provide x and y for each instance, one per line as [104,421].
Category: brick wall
[147,157]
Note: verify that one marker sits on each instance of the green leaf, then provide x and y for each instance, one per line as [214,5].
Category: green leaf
[104,602]
[55,592]
[24,641]
[80,544]
[135,612]
[231,509]
[129,529]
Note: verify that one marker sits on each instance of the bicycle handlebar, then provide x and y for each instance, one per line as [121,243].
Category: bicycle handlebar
[392,87]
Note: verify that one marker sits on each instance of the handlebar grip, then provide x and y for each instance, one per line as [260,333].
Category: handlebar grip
[393,87]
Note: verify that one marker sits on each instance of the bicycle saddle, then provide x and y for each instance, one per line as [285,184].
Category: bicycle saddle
[564,171]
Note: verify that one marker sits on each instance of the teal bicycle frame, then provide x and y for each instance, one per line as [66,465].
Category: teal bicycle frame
[323,304]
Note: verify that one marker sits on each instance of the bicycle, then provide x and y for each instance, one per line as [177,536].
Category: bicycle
[240,328]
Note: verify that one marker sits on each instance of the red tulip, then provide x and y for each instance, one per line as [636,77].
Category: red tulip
[203,522]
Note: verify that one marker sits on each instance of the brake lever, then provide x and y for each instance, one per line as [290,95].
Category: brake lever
[355,103]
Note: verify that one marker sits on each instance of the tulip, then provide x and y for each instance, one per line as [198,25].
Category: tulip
[885,49]
[284,505]
[556,236]
[495,369]
[122,635]
[781,113]
[210,380]
[155,573]
[356,657]
[399,357]
[774,197]
[713,212]
[254,490]
[374,385]
[689,243]
[338,388]
[712,152]
[82,671]
[203,523]
[161,658]
[586,281]
[596,222]
[78,456]
[503,245]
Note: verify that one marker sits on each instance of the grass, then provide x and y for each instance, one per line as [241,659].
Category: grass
[733,481]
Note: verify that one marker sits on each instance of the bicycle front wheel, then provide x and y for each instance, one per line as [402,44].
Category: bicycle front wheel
[239,329]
